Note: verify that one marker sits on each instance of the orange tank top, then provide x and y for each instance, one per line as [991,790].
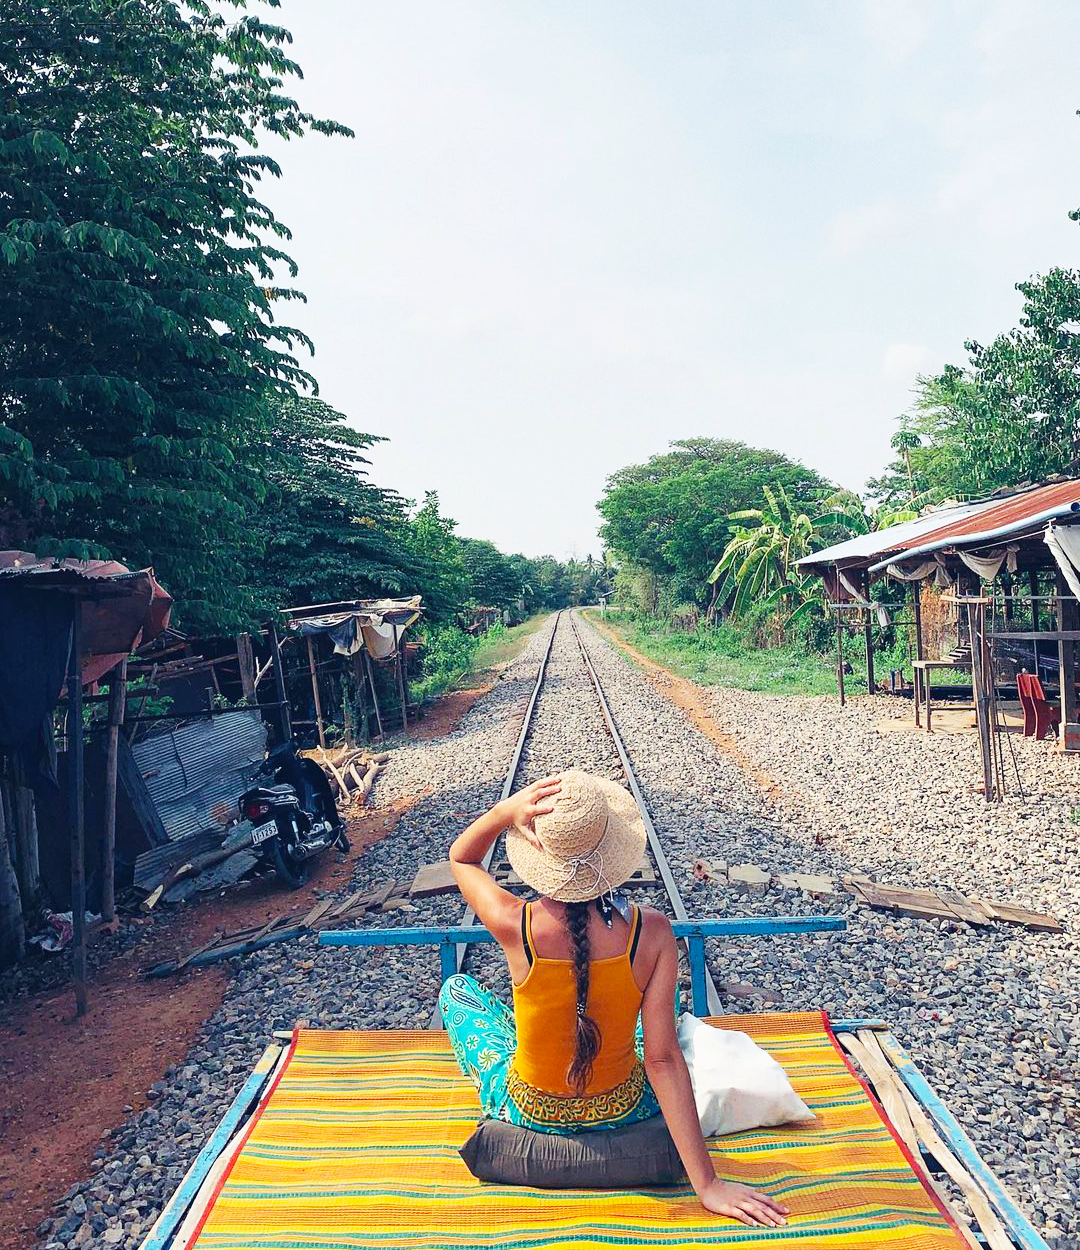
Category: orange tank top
[545,1009]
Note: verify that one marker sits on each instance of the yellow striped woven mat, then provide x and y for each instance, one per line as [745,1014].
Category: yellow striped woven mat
[356,1149]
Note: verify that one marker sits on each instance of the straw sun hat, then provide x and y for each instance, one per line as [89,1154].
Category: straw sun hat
[592,841]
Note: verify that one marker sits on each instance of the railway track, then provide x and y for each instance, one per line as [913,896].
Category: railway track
[657,855]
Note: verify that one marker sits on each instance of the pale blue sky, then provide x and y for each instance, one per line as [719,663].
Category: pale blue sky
[569,231]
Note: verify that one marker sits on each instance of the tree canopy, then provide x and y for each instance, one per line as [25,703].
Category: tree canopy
[326,531]
[670,515]
[140,345]
[1010,415]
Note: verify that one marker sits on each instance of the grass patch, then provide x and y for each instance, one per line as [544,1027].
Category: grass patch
[501,645]
[453,659]
[721,656]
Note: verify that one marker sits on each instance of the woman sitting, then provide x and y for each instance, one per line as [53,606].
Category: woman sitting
[584,965]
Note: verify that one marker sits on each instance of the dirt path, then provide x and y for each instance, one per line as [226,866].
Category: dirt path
[67,1082]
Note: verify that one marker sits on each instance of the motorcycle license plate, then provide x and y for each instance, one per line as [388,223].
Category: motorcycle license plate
[261,832]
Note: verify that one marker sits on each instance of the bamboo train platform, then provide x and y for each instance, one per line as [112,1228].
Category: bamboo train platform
[347,1140]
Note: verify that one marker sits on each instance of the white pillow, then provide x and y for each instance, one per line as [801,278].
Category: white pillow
[737,1085]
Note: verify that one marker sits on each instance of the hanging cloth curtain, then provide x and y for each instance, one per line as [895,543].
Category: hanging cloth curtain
[934,567]
[1064,543]
[989,566]
[883,617]
[914,574]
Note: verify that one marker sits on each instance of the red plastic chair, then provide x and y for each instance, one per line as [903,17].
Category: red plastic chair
[1039,713]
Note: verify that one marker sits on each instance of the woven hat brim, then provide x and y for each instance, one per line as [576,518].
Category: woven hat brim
[621,850]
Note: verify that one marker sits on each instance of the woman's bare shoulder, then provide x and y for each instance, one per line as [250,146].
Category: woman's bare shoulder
[655,927]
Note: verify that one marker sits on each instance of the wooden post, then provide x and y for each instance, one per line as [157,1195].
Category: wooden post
[840,658]
[284,720]
[976,617]
[12,925]
[920,649]
[24,816]
[374,694]
[399,674]
[315,692]
[1066,619]
[76,810]
[361,698]
[117,707]
[404,670]
[868,638]
[246,659]
[1033,590]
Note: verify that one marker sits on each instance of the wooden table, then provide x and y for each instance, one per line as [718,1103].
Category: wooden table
[923,672]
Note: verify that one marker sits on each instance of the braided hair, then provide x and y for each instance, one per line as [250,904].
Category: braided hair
[587,1038]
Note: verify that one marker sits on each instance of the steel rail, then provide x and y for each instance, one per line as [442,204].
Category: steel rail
[706,988]
[469,917]
[653,838]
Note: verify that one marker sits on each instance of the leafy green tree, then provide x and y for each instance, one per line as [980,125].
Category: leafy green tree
[1010,415]
[140,337]
[758,566]
[443,578]
[327,532]
[494,581]
[671,514]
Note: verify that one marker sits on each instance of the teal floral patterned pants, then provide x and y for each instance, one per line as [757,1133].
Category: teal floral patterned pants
[483,1034]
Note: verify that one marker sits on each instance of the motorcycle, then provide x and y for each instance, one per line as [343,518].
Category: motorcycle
[294,817]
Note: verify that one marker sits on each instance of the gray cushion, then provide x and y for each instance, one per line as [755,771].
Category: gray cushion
[633,1157]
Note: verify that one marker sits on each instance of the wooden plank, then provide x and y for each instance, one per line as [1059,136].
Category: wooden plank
[1019,915]
[890,1092]
[923,904]
[1045,635]
[433,879]
[964,907]
[988,1221]
[318,911]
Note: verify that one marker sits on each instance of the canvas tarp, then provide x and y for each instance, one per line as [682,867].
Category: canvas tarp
[371,624]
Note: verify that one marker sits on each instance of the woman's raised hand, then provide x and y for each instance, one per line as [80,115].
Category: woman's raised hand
[742,1203]
[526,804]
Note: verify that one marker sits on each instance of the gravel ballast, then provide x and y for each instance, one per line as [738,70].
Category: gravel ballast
[989,1014]
[986,1013]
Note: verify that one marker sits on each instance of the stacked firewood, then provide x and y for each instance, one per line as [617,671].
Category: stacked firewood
[351,772]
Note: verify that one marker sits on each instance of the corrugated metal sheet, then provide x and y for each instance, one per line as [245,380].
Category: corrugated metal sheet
[872,546]
[196,772]
[1011,511]
[152,865]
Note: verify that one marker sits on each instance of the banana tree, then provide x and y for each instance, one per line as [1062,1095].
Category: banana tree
[758,565]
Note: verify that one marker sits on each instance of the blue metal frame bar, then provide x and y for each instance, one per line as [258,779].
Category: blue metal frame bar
[1016,1221]
[694,931]
[176,1208]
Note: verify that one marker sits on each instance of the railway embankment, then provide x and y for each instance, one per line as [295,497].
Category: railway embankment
[984,1011]
[989,1013]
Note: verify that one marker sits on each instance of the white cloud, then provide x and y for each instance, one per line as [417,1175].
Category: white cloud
[902,362]
[854,230]
[899,27]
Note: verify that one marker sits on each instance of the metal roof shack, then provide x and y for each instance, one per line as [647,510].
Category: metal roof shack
[366,630]
[1029,538]
[1022,515]
[868,547]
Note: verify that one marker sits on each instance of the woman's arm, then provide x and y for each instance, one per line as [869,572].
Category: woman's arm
[495,907]
[666,1070]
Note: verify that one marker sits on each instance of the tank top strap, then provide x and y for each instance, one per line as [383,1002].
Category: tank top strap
[635,935]
[526,933]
